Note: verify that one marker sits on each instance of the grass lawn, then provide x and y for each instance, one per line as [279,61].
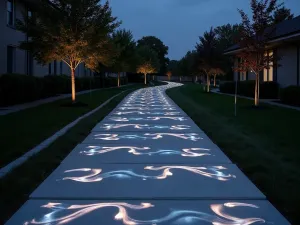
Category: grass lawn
[23,130]
[264,143]
[18,185]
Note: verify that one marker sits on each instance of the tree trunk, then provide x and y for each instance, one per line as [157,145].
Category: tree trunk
[180,78]
[196,79]
[153,77]
[145,75]
[118,79]
[208,83]
[215,80]
[73,85]
[169,78]
[256,97]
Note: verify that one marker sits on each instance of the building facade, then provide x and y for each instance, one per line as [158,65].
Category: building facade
[15,60]
[285,44]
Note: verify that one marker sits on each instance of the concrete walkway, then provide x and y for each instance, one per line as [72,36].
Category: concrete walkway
[147,163]
[16,108]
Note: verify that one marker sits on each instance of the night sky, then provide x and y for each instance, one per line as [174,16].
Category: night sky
[178,23]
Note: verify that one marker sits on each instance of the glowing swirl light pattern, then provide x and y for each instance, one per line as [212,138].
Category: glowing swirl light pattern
[149,118]
[148,108]
[147,113]
[95,175]
[62,213]
[186,152]
[153,136]
[144,126]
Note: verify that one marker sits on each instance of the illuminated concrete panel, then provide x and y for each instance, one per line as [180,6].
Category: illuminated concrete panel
[93,180]
[181,140]
[114,153]
[75,212]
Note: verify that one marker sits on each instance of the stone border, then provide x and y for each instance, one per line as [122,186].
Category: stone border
[19,161]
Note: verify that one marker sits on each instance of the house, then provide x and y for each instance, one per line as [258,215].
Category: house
[15,60]
[285,43]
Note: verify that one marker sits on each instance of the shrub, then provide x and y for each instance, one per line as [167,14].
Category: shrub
[269,90]
[18,88]
[227,87]
[290,95]
[247,88]
[56,84]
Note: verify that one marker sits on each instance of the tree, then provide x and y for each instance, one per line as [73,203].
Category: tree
[147,61]
[281,14]
[72,31]
[169,74]
[208,55]
[158,46]
[125,45]
[254,40]
[215,72]
[226,35]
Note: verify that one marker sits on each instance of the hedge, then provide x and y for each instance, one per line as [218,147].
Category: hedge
[268,90]
[290,95]
[19,88]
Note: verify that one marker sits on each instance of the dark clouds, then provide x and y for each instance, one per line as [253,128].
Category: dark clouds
[178,23]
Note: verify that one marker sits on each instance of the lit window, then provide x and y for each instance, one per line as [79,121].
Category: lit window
[29,13]
[10,12]
[268,73]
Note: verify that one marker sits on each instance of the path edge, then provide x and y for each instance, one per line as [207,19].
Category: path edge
[44,144]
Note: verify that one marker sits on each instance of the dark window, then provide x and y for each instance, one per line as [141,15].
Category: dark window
[84,69]
[10,12]
[11,59]
[60,67]
[55,68]
[29,63]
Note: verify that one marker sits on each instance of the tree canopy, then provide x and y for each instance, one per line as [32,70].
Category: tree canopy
[147,61]
[72,31]
[255,35]
[125,45]
[158,46]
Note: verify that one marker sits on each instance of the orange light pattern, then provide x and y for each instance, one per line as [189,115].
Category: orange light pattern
[66,213]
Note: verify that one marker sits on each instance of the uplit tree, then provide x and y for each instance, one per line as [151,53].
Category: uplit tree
[208,55]
[157,46]
[216,72]
[169,74]
[72,31]
[147,61]
[255,35]
[125,46]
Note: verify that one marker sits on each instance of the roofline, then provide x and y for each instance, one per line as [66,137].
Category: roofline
[282,38]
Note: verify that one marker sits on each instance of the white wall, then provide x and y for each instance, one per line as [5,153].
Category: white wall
[287,72]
